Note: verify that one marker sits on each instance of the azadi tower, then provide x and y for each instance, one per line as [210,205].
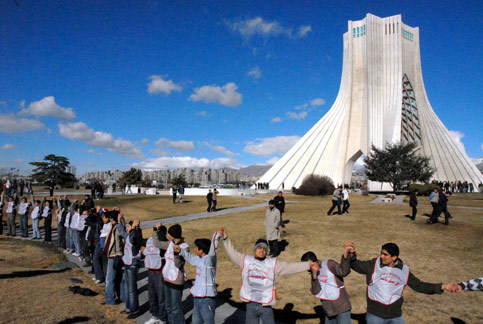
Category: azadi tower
[381,100]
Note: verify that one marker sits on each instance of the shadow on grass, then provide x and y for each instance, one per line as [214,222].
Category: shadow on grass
[77,319]
[457,320]
[30,273]
[285,315]
[360,318]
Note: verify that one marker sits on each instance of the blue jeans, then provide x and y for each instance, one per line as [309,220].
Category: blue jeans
[113,281]
[174,305]
[131,286]
[342,318]
[374,319]
[204,310]
[157,299]
[35,227]
[24,224]
[256,312]
[75,236]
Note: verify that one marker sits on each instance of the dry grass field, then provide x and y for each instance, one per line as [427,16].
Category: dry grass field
[435,253]
[32,293]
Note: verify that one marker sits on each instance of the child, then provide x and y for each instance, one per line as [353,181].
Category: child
[35,215]
[154,262]
[328,285]
[131,259]
[23,210]
[173,272]
[204,289]
[11,213]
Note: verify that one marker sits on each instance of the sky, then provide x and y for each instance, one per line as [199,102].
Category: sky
[165,84]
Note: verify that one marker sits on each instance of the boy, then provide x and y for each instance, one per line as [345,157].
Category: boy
[204,289]
[328,285]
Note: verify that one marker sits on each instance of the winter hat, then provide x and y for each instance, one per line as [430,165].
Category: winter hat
[391,248]
[175,231]
[271,202]
[261,243]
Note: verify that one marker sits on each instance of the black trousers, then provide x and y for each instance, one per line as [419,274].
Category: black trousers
[435,213]
[346,206]
[274,251]
[48,228]
[415,211]
[61,235]
[174,198]
[214,205]
[1,222]
[210,202]
[447,215]
[334,204]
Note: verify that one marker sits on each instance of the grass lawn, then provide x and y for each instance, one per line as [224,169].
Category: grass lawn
[32,293]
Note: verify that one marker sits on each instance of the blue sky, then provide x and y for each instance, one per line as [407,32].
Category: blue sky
[156,84]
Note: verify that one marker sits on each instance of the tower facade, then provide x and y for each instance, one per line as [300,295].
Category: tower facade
[381,100]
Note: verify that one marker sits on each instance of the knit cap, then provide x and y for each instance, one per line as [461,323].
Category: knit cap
[175,231]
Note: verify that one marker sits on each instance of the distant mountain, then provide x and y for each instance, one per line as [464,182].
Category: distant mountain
[256,170]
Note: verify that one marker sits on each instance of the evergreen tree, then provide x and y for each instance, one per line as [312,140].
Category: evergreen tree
[52,170]
[131,176]
[396,163]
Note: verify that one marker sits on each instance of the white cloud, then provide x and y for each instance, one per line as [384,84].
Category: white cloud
[158,84]
[225,95]
[298,116]
[305,105]
[91,151]
[13,124]
[178,145]
[303,31]
[317,102]
[203,113]
[81,132]
[271,145]
[8,146]
[219,149]
[144,141]
[457,136]
[159,152]
[18,161]
[264,28]
[187,162]
[273,160]
[276,120]
[48,107]
[255,73]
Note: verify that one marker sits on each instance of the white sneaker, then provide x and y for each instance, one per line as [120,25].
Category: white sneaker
[153,320]
[76,254]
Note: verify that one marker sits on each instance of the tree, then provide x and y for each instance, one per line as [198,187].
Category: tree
[396,163]
[131,176]
[315,185]
[53,170]
[179,180]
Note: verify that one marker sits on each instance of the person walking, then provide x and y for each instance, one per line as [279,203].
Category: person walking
[272,231]
[279,201]
[345,200]
[181,193]
[209,200]
[174,192]
[443,206]
[259,276]
[215,199]
[336,201]
[413,203]
[386,278]
[434,199]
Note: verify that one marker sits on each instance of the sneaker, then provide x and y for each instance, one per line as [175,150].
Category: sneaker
[76,254]
[154,320]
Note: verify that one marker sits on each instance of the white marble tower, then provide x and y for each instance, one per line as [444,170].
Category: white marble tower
[381,100]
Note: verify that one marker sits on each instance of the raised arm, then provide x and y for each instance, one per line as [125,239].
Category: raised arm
[286,268]
[214,241]
[163,245]
[235,256]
